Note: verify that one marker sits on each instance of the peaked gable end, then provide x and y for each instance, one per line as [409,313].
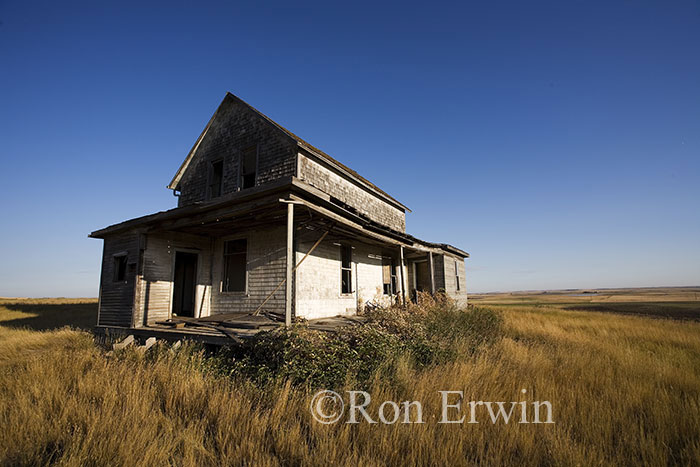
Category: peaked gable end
[238,148]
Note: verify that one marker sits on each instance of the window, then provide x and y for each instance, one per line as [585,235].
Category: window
[216,178]
[248,168]
[235,261]
[345,269]
[120,268]
[457,275]
[389,276]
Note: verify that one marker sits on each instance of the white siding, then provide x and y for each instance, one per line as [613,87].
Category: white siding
[154,294]
[318,280]
[450,283]
[266,266]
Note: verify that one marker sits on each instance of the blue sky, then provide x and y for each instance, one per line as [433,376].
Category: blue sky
[557,142]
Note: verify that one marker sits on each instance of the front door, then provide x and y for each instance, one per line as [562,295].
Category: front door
[185,284]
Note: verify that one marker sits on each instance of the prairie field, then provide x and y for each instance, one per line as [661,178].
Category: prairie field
[624,389]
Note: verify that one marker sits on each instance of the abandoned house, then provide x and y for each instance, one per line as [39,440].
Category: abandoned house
[267,226]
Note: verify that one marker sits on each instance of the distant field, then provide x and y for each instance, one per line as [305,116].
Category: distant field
[625,390]
[661,302]
[48,313]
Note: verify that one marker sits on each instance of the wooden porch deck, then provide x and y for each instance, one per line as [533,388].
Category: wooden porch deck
[222,329]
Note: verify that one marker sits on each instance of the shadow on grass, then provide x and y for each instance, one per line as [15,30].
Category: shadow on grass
[44,316]
[671,310]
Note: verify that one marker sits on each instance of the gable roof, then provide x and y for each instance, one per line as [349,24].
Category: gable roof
[300,143]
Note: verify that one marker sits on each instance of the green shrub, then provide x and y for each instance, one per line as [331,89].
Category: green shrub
[434,331]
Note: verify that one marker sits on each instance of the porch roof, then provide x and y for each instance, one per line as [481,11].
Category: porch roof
[261,205]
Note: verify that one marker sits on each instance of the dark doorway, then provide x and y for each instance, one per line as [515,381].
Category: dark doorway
[185,283]
[422,276]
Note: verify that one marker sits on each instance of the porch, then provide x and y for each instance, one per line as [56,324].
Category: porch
[221,330]
[257,260]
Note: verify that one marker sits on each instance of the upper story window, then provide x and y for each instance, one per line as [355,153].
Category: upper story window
[248,167]
[216,179]
[345,269]
[235,265]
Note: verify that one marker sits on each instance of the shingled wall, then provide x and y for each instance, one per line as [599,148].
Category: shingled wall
[350,193]
[235,129]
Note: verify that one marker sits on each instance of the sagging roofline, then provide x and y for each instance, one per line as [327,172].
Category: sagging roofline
[312,197]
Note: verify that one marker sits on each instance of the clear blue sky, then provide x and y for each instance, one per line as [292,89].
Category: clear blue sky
[558,142]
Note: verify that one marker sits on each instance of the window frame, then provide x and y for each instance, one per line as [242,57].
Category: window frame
[222,287]
[117,260]
[457,276]
[210,181]
[344,248]
[393,283]
[241,175]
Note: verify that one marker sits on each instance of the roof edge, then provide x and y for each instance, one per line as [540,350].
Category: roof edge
[190,155]
[349,173]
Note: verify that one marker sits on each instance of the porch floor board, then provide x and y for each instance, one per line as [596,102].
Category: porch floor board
[223,329]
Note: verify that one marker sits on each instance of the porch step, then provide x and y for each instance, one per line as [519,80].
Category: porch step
[129,340]
[150,342]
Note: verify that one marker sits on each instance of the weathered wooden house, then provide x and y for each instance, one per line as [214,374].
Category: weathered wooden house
[266,224]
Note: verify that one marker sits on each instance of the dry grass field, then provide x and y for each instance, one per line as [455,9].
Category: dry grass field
[660,302]
[625,390]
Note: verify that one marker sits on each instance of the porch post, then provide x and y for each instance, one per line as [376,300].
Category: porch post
[403,278]
[290,265]
[432,272]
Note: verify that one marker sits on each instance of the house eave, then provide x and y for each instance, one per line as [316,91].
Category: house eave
[232,198]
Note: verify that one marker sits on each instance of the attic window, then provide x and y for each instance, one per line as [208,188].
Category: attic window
[216,178]
[119,270]
[248,168]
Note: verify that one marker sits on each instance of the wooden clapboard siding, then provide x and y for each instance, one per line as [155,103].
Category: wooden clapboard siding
[266,266]
[117,298]
[450,282]
[318,279]
[155,286]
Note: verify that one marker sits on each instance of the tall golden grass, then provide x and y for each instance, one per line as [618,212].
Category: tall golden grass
[624,390]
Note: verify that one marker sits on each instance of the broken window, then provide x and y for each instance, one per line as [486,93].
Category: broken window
[457,275]
[235,265]
[248,168]
[389,276]
[216,178]
[346,269]
[119,268]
